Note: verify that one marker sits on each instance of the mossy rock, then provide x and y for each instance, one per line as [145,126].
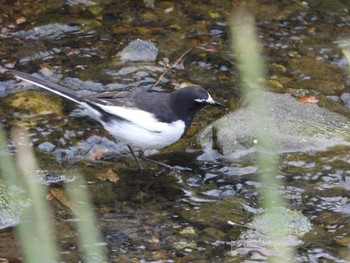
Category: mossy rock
[322,76]
[217,214]
[32,102]
[294,127]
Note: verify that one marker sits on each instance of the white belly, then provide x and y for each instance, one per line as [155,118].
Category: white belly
[141,129]
[143,138]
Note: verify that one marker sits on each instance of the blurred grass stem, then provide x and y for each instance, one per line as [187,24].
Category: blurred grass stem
[93,250]
[252,72]
[35,228]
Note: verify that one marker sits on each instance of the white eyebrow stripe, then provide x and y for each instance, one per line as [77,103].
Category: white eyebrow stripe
[208,100]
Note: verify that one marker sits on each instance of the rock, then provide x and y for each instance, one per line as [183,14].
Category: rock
[49,31]
[217,214]
[87,149]
[139,50]
[12,204]
[149,3]
[270,11]
[345,98]
[295,127]
[295,226]
[317,75]
[32,102]
[46,147]
[9,213]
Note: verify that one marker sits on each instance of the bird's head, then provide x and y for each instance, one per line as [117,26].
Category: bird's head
[195,98]
[189,100]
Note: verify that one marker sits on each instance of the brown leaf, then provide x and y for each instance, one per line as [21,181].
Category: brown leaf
[109,175]
[312,30]
[59,195]
[310,99]
[21,20]
[98,154]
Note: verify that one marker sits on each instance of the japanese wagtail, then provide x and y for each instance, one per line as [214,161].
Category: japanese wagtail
[145,120]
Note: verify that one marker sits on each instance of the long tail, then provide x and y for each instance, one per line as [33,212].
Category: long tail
[48,85]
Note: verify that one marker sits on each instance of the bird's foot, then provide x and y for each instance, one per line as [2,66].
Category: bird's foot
[169,167]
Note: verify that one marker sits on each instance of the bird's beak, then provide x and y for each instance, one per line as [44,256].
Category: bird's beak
[218,104]
[212,102]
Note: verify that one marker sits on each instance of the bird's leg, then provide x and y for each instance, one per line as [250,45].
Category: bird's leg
[135,158]
[142,157]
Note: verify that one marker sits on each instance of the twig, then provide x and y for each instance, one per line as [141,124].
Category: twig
[240,225]
[171,66]
[298,3]
[181,57]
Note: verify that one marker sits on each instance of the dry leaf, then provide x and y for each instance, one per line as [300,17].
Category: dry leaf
[310,99]
[98,154]
[312,30]
[109,175]
[169,10]
[165,62]
[59,195]
[21,20]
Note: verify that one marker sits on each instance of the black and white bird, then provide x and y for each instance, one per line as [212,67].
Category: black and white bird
[145,120]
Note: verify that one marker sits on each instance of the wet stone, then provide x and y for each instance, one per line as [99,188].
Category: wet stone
[9,209]
[139,50]
[88,149]
[35,103]
[50,31]
[216,214]
[255,238]
[46,147]
[317,75]
[296,127]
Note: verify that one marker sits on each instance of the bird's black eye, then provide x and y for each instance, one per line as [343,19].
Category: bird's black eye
[198,104]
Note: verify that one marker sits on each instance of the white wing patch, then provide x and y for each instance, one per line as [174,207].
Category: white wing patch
[141,118]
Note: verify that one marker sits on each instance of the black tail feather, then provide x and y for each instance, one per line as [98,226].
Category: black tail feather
[47,85]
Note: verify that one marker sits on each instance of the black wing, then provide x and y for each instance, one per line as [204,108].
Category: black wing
[158,104]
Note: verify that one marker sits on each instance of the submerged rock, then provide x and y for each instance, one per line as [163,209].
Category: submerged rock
[295,225]
[88,149]
[49,31]
[295,127]
[33,102]
[139,50]
[46,147]
[217,214]
[10,207]
[317,75]
[255,239]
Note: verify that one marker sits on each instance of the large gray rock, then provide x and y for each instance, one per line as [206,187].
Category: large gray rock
[294,127]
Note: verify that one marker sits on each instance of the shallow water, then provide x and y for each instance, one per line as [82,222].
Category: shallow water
[178,217]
